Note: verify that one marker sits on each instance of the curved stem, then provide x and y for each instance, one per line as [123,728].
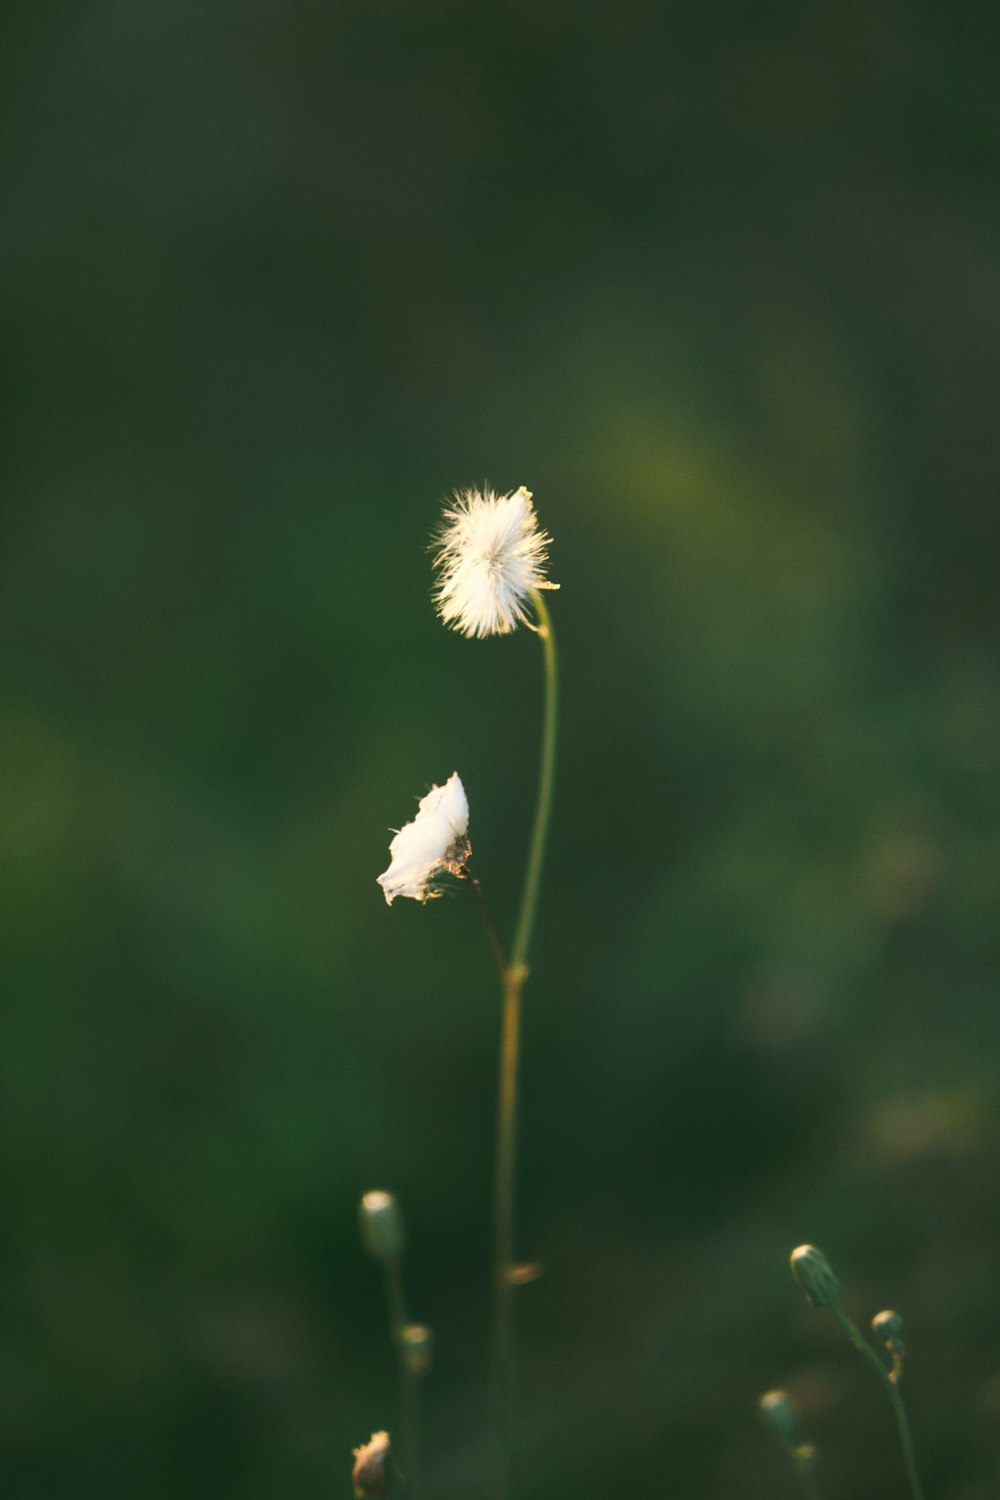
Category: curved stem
[513,972]
[504,1364]
[513,977]
[807,1481]
[860,1343]
[492,930]
[546,782]
[409,1394]
[395,1297]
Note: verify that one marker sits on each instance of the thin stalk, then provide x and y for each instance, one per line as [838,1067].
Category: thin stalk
[504,1364]
[513,972]
[492,930]
[806,1478]
[395,1298]
[546,782]
[409,1424]
[409,1393]
[860,1343]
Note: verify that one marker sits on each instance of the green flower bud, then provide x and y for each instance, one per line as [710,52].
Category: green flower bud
[814,1275]
[381,1225]
[778,1413]
[416,1347]
[888,1329]
[805,1456]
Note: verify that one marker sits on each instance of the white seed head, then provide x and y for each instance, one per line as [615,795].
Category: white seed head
[491,556]
[436,840]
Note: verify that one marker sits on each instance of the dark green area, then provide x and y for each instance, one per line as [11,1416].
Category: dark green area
[721,284]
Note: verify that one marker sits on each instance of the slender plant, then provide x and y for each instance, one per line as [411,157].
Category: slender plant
[778,1414]
[508,1274]
[383,1236]
[490,557]
[815,1276]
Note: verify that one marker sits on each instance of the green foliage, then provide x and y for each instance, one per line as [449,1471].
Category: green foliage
[720,287]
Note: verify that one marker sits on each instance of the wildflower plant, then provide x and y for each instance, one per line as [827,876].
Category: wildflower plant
[490,557]
[779,1416]
[383,1236]
[816,1279]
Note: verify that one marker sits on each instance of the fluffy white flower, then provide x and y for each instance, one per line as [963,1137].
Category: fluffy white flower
[490,559]
[436,840]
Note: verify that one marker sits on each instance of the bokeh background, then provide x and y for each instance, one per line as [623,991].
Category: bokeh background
[720,283]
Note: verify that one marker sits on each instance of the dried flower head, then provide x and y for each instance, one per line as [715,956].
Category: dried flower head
[370,1466]
[436,840]
[490,559]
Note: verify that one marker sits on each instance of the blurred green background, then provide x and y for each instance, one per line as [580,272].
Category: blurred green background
[720,283]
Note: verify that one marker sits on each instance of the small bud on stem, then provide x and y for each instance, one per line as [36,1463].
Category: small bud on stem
[416,1348]
[778,1414]
[814,1275]
[806,1457]
[888,1329]
[381,1225]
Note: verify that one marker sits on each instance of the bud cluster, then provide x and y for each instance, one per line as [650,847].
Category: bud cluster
[888,1329]
[815,1276]
[779,1415]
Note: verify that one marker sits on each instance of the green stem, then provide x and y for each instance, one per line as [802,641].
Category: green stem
[492,930]
[860,1343]
[806,1479]
[504,1363]
[546,782]
[807,1482]
[513,972]
[409,1395]
[395,1298]
[409,1422]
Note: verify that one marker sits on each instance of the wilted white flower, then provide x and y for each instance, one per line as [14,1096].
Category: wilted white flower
[371,1464]
[490,558]
[436,840]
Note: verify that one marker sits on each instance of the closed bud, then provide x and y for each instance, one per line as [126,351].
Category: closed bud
[416,1348]
[814,1275]
[778,1413]
[805,1455]
[888,1329]
[381,1225]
